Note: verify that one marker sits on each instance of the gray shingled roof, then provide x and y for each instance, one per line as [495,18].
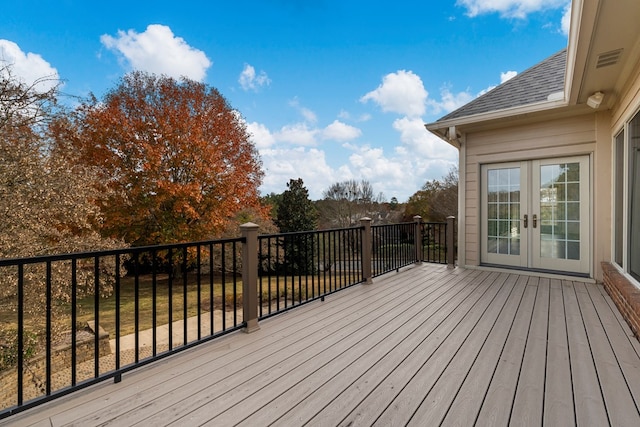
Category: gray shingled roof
[530,86]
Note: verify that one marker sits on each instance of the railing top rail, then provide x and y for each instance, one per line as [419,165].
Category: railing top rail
[110,252]
[392,225]
[293,233]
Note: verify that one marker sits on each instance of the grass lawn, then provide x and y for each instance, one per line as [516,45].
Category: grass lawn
[107,306]
[296,288]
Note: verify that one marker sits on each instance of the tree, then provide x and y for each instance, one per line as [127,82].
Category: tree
[437,199]
[393,204]
[176,161]
[272,201]
[25,104]
[296,212]
[46,203]
[344,203]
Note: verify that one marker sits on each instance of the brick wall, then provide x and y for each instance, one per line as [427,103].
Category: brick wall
[624,294]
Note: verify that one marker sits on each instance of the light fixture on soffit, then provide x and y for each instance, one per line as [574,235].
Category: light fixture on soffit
[595,100]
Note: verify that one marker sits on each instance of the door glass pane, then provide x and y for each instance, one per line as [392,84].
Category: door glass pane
[503,211]
[560,211]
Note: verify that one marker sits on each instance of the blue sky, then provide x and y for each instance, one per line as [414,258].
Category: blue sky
[330,89]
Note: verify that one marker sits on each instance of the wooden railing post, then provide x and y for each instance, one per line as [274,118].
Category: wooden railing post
[250,276]
[418,239]
[366,251]
[451,246]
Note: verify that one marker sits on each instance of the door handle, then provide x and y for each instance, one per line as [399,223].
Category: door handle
[535,220]
[526,221]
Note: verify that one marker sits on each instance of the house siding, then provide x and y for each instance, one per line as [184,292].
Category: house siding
[568,136]
[629,102]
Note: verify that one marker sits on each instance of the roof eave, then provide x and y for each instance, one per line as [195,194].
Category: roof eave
[441,128]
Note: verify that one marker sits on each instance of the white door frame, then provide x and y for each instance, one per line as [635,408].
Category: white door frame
[534,231]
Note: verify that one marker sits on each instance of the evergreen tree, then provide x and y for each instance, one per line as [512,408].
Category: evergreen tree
[296,212]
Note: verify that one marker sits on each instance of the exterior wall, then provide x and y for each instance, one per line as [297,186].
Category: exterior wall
[626,107]
[568,136]
[628,104]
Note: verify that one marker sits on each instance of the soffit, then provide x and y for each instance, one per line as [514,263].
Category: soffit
[606,50]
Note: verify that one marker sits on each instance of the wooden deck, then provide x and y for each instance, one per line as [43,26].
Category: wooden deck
[425,346]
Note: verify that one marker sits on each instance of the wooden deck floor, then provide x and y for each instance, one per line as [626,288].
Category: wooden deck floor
[425,346]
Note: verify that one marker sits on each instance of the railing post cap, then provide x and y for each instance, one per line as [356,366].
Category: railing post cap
[249,226]
[365,219]
[451,217]
[417,217]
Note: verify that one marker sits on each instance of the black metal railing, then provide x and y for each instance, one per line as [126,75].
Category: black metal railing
[69,321]
[295,268]
[434,242]
[393,247]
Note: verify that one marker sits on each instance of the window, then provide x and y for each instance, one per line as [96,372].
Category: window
[626,228]
[634,194]
[619,199]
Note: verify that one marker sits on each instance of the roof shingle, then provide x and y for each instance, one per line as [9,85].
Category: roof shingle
[532,85]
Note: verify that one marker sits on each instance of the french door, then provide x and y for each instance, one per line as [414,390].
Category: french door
[535,214]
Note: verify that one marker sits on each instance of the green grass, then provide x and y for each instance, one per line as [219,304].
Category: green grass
[107,306]
[295,288]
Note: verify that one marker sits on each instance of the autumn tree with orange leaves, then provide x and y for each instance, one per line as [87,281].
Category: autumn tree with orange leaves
[176,159]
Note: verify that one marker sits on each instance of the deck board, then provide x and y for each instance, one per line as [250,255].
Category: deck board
[617,397]
[347,392]
[498,402]
[622,341]
[324,383]
[423,366]
[528,403]
[470,397]
[464,375]
[426,346]
[587,396]
[558,396]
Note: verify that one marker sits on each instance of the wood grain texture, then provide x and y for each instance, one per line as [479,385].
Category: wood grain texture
[425,346]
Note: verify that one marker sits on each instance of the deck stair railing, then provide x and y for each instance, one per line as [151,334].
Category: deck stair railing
[70,321]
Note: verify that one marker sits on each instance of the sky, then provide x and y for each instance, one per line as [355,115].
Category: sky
[330,90]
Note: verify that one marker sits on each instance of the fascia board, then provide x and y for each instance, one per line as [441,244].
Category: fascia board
[496,115]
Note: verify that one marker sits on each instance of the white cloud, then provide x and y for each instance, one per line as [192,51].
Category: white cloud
[399,174]
[28,67]
[282,164]
[157,50]
[260,135]
[450,101]
[308,115]
[566,20]
[297,134]
[509,8]
[422,144]
[400,92]
[250,81]
[383,172]
[339,131]
[291,152]
[507,75]
[345,115]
